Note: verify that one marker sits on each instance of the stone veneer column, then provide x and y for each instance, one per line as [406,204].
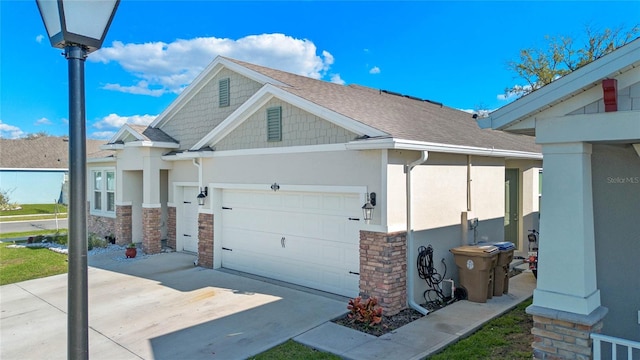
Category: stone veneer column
[205,240]
[123,229]
[151,242]
[383,269]
[558,335]
[171,227]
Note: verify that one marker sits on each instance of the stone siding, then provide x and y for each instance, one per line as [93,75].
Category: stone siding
[123,230]
[171,227]
[562,340]
[383,269]
[298,128]
[151,239]
[205,240]
[100,225]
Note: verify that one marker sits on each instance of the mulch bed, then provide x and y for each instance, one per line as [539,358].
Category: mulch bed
[388,323]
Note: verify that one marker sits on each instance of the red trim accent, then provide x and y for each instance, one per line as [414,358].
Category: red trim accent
[610,94]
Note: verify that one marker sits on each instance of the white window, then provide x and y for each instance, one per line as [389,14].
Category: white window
[103,189]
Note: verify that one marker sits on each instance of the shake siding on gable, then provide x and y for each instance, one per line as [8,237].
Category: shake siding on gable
[628,100]
[298,128]
[202,113]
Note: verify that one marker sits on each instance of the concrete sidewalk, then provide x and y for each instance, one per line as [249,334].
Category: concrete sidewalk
[422,337]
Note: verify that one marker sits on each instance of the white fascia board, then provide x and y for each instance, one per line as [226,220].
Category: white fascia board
[266,93]
[125,129]
[399,144]
[612,126]
[280,150]
[101,160]
[112,147]
[156,144]
[585,77]
[195,154]
[203,78]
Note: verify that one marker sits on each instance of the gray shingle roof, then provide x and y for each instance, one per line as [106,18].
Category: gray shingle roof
[399,116]
[152,134]
[45,152]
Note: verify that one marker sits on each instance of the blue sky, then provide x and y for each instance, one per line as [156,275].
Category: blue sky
[453,52]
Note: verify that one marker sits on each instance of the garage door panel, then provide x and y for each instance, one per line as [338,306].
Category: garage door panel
[298,237]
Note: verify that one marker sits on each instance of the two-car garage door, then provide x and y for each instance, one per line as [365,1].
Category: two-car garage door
[310,239]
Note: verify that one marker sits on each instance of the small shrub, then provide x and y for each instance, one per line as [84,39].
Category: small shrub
[61,239]
[96,241]
[367,312]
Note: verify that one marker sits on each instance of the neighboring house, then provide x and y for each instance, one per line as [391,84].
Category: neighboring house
[588,123]
[287,162]
[34,170]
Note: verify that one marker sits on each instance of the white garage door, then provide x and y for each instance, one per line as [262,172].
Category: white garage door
[310,239]
[188,231]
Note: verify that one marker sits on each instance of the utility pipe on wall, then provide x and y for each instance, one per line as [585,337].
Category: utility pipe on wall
[411,256]
[198,163]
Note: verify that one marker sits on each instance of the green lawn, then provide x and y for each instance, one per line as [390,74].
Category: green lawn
[34,212]
[30,233]
[36,209]
[20,264]
[292,350]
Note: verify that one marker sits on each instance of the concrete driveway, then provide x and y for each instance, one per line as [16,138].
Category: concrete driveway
[159,307]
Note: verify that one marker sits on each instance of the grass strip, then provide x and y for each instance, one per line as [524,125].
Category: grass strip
[505,337]
[294,350]
[36,209]
[25,234]
[21,264]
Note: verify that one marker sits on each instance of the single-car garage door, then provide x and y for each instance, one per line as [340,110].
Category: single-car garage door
[309,239]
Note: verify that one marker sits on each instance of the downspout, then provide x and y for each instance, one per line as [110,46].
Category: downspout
[198,163]
[411,256]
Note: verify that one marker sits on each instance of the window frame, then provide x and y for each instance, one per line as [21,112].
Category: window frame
[105,190]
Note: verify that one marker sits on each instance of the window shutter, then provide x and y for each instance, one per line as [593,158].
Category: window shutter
[223,86]
[274,124]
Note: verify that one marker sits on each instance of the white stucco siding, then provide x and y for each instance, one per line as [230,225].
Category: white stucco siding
[299,127]
[201,114]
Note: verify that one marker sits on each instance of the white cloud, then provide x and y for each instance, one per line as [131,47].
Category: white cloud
[169,67]
[114,121]
[374,70]
[481,113]
[9,131]
[43,121]
[102,135]
[336,79]
[39,38]
[517,92]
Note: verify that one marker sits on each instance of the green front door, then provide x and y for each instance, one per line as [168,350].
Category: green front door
[511,214]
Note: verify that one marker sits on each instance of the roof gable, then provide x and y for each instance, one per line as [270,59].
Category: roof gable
[140,135]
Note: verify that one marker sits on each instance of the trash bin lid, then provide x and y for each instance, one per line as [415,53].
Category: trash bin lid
[504,245]
[482,250]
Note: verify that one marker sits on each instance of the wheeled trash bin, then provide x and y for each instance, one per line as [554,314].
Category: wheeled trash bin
[475,269]
[501,271]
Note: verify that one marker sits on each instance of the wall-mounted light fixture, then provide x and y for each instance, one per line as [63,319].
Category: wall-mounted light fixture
[203,194]
[275,187]
[367,208]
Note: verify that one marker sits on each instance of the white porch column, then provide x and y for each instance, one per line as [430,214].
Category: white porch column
[566,232]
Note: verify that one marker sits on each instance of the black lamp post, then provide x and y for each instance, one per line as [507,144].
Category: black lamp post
[78,27]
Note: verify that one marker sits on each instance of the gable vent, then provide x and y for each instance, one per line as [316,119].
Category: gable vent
[224,97]
[274,124]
